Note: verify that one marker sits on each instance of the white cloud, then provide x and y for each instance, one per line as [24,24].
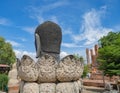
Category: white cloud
[47,7]
[23,39]
[39,18]
[53,5]
[70,45]
[15,44]
[54,19]
[91,27]
[31,30]
[4,21]
[63,54]
[37,13]
[20,53]
[67,31]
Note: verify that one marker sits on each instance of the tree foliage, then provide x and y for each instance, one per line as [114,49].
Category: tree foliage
[85,71]
[109,54]
[86,67]
[3,82]
[78,57]
[7,56]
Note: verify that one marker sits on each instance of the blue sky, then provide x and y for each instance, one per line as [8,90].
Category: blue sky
[83,22]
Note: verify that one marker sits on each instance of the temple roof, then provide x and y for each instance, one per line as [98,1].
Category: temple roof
[4,65]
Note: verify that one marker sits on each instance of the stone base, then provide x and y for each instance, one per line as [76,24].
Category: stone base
[43,76]
[64,87]
[95,83]
[96,76]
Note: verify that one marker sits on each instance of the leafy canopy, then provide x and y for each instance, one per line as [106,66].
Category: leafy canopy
[7,56]
[109,54]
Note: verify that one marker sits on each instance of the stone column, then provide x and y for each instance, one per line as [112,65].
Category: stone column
[92,58]
[96,50]
[96,53]
[87,56]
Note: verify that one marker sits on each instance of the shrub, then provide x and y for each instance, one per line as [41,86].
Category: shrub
[3,82]
[85,71]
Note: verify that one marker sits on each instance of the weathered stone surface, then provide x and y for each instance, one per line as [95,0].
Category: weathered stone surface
[13,76]
[14,66]
[69,69]
[47,88]
[50,36]
[31,88]
[79,84]
[28,70]
[47,69]
[22,83]
[13,82]
[49,73]
[68,87]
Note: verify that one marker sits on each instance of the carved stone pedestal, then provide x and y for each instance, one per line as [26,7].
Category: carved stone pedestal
[49,76]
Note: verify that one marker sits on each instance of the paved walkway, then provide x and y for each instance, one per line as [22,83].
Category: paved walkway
[2,92]
[90,89]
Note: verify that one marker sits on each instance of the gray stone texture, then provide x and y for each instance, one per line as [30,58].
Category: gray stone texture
[50,36]
[68,87]
[47,88]
[69,69]
[28,70]
[49,74]
[13,76]
[47,69]
[31,87]
[43,76]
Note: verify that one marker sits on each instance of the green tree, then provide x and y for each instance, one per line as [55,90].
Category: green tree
[86,67]
[109,54]
[7,56]
[3,82]
[85,71]
[78,57]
